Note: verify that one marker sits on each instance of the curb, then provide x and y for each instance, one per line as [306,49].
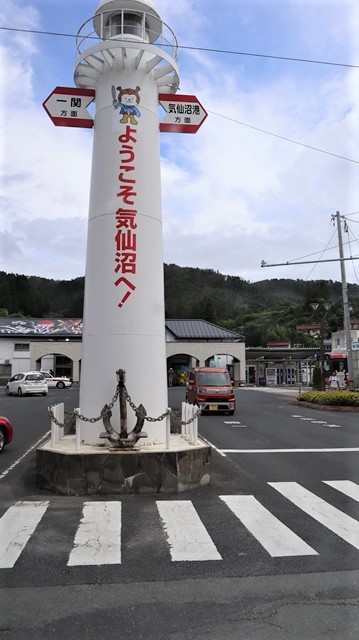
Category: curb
[326,407]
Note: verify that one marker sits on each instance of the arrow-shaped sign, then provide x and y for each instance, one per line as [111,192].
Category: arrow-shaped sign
[184,114]
[67,107]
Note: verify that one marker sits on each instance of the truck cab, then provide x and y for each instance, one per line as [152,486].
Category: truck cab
[211,389]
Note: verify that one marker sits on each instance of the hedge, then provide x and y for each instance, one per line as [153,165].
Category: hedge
[331,398]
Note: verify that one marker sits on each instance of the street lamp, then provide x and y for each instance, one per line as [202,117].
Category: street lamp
[315,306]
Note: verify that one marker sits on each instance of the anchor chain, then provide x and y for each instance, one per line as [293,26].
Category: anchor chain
[74,414]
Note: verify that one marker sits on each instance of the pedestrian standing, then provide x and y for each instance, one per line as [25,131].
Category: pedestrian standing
[333,381]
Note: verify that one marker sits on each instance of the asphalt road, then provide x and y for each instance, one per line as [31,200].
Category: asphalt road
[262,581]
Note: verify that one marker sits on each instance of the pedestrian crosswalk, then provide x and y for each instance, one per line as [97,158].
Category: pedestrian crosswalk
[186,530]
[98,538]
[270,532]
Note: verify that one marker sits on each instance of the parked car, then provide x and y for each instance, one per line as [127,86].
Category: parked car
[211,389]
[6,432]
[30,382]
[52,381]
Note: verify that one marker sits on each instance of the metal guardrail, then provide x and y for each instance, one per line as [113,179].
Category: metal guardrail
[164,37]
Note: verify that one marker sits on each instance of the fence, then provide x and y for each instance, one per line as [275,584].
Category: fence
[58,412]
[189,424]
[189,427]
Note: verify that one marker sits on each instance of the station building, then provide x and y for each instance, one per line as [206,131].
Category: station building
[28,344]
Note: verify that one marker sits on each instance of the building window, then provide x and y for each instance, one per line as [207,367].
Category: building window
[21,346]
[124,24]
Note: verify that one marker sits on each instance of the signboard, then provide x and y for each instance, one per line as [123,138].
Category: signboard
[67,107]
[184,114]
[355,346]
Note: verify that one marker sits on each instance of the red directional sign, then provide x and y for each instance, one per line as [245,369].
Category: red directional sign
[67,107]
[184,114]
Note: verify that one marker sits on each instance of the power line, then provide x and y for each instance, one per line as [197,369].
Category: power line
[276,135]
[220,115]
[206,49]
[353,265]
[354,213]
[316,264]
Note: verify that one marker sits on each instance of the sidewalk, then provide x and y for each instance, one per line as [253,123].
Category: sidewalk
[290,389]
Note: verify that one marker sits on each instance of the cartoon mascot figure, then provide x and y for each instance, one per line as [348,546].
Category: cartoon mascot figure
[127,101]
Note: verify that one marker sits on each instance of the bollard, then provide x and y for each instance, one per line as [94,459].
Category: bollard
[168,429]
[78,430]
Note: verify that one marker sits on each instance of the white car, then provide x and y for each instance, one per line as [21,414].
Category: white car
[52,381]
[27,383]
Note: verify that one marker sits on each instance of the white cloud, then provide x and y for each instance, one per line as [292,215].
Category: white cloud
[45,172]
[232,195]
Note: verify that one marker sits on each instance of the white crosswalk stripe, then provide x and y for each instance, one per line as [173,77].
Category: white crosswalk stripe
[187,536]
[98,537]
[272,534]
[331,517]
[16,526]
[347,487]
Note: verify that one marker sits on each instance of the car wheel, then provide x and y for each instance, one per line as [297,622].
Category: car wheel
[19,391]
[2,440]
[231,413]
[44,394]
[7,391]
[60,385]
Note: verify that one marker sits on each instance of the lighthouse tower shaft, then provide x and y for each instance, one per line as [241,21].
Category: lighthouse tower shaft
[128,55]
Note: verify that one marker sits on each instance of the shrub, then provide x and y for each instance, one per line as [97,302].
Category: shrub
[317,377]
[331,398]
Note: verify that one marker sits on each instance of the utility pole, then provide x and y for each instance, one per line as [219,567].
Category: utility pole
[346,314]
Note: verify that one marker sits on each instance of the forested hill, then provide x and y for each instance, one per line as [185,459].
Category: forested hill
[261,311]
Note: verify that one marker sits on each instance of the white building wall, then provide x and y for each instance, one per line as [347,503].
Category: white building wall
[200,351]
[6,350]
[204,350]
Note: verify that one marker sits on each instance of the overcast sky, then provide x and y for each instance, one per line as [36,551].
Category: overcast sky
[232,195]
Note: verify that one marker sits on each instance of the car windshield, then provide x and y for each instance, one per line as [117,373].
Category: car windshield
[214,379]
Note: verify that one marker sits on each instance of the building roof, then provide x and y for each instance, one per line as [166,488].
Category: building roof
[201,330]
[67,327]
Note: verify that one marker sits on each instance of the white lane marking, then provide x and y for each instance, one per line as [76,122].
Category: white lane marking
[340,523]
[314,421]
[187,537]
[230,422]
[347,487]
[335,450]
[220,451]
[14,464]
[16,526]
[98,538]
[271,533]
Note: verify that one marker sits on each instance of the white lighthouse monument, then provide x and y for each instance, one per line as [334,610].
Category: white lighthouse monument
[128,56]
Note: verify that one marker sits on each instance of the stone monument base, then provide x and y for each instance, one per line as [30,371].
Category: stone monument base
[99,470]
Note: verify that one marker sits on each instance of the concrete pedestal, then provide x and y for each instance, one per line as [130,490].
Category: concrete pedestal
[99,470]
